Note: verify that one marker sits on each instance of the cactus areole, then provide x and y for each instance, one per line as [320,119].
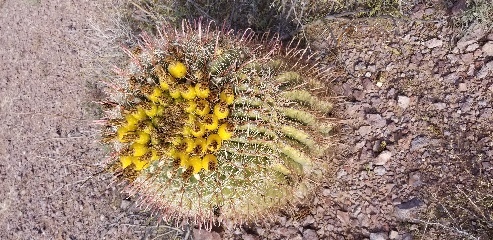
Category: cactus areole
[207,125]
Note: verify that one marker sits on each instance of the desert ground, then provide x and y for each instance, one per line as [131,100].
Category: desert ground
[413,145]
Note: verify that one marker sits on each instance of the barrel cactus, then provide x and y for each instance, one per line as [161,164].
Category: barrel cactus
[209,125]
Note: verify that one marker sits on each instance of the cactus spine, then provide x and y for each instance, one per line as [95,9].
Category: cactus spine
[207,125]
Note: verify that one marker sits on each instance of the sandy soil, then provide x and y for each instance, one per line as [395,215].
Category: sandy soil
[415,103]
[47,145]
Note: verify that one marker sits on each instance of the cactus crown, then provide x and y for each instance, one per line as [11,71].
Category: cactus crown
[210,125]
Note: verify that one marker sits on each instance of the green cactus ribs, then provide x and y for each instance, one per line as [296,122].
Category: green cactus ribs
[209,125]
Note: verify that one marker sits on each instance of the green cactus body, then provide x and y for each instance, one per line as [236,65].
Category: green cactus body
[212,126]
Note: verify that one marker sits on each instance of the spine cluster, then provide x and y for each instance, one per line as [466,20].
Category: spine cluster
[208,125]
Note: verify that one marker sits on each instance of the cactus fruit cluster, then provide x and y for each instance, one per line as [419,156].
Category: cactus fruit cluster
[209,125]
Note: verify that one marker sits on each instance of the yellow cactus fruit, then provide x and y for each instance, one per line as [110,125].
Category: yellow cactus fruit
[190,145]
[202,91]
[227,96]
[177,141]
[152,111]
[201,145]
[149,128]
[196,163]
[184,159]
[126,161]
[172,153]
[202,107]
[155,155]
[121,132]
[139,114]
[190,106]
[174,92]
[209,162]
[188,93]
[139,149]
[213,142]
[156,93]
[221,110]
[143,138]
[210,122]
[140,164]
[165,82]
[198,129]
[187,130]
[160,110]
[224,131]
[177,69]
[131,121]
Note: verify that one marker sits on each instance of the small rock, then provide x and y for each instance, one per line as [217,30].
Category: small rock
[393,234]
[249,237]
[376,120]
[458,7]
[429,11]
[413,203]
[415,179]
[343,217]
[341,173]
[485,70]
[125,204]
[490,37]
[433,43]
[403,101]
[364,130]
[358,146]
[310,234]
[440,105]
[368,74]
[467,58]
[378,236]
[462,87]
[472,47]
[419,143]
[488,49]
[461,45]
[383,157]
[379,170]
[205,235]
[309,220]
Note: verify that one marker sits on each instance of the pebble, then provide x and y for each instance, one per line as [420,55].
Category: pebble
[433,43]
[393,234]
[462,87]
[379,170]
[310,234]
[486,70]
[309,220]
[419,143]
[125,204]
[343,217]
[490,37]
[488,49]
[205,235]
[364,130]
[472,47]
[376,120]
[403,101]
[415,179]
[378,236]
[382,158]
[249,237]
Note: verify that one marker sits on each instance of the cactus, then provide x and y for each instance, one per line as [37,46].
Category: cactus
[208,125]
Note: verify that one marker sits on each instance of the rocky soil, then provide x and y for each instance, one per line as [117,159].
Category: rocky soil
[413,148]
